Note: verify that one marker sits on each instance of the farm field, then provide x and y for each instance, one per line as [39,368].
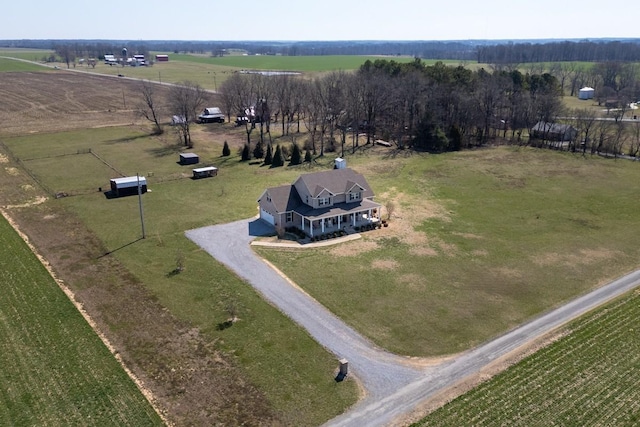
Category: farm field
[169,328]
[589,377]
[55,370]
[479,241]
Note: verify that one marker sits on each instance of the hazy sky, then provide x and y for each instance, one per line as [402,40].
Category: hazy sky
[318,20]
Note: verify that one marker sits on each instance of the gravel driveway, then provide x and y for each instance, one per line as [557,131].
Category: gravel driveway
[395,385]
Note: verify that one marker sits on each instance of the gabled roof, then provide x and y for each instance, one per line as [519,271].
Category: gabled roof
[284,198]
[336,181]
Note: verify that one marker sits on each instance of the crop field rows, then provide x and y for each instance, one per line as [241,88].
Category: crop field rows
[589,377]
[55,370]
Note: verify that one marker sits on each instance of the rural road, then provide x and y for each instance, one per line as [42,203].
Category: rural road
[395,385]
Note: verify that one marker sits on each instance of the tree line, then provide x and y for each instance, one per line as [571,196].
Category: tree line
[410,105]
[587,51]
[416,106]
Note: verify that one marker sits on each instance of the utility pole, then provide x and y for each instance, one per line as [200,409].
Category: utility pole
[140,205]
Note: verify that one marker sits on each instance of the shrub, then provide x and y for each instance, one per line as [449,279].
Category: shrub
[226,151]
[246,155]
[296,155]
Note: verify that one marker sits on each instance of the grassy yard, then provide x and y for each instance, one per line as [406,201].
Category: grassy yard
[589,377]
[478,242]
[55,370]
[274,354]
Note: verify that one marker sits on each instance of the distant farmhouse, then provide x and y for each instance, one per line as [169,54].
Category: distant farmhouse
[321,202]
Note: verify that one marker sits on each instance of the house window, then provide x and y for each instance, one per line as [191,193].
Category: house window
[289,217]
[324,201]
[354,196]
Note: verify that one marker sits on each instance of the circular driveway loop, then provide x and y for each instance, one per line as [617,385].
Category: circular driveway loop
[395,386]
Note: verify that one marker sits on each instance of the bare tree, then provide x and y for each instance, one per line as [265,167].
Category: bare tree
[149,105]
[185,99]
[66,52]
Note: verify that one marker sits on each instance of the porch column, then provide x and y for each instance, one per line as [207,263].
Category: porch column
[339,218]
[322,224]
[303,222]
[353,215]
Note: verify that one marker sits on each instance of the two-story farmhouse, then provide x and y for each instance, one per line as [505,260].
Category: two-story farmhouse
[321,202]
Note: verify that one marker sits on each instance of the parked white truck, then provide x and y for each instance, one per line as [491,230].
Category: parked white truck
[211,115]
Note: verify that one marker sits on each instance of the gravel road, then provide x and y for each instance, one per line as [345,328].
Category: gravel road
[395,385]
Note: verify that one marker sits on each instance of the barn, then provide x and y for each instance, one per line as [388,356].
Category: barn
[162,58]
[205,172]
[128,185]
[189,159]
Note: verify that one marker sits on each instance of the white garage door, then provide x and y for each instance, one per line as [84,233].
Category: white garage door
[267,216]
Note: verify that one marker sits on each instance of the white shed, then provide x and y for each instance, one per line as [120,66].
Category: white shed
[340,163]
[586,93]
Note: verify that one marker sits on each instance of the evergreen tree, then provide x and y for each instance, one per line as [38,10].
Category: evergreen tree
[258,151]
[268,158]
[226,151]
[296,155]
[246,154]
[307,156]
[277,158]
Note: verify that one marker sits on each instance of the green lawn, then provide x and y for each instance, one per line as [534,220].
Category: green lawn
[589,377]
[496,237]
[55,370]
[266,344]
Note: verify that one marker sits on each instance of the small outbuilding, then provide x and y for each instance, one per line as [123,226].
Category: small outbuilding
[128,185]
[586,93]
[205,172]
[189,159]
[553,131]
[162,58]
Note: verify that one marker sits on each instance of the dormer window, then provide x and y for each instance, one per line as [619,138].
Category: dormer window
[354,196]
[324,201]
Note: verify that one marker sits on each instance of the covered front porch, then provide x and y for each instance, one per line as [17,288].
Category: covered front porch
[339,218]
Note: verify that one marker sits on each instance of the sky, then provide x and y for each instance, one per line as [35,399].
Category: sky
[289,20]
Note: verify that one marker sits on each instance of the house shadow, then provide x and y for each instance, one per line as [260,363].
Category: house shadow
[258,227]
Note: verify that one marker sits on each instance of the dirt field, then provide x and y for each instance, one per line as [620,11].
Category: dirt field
[192,383]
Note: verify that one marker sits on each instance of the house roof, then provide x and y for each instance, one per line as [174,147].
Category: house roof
[284,198]
[336,181]
[552,127]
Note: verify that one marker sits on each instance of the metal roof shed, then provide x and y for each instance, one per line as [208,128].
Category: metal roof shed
[128,185]
[189,159]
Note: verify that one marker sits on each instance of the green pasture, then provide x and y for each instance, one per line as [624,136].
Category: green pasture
[303,64]
[11,65]
[35,55]
[499,236]
[293,371]
[55,369]
[589,377]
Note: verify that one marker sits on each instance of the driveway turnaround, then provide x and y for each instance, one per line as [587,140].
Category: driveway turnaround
[395,385]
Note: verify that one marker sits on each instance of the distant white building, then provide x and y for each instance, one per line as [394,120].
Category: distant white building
[586,93]
[110,60]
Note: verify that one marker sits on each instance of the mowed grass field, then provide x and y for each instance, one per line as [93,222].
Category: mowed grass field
[295,374]
[478,242]
[55,370]
[589,377]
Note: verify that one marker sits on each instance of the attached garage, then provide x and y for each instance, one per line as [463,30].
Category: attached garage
[267,217]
